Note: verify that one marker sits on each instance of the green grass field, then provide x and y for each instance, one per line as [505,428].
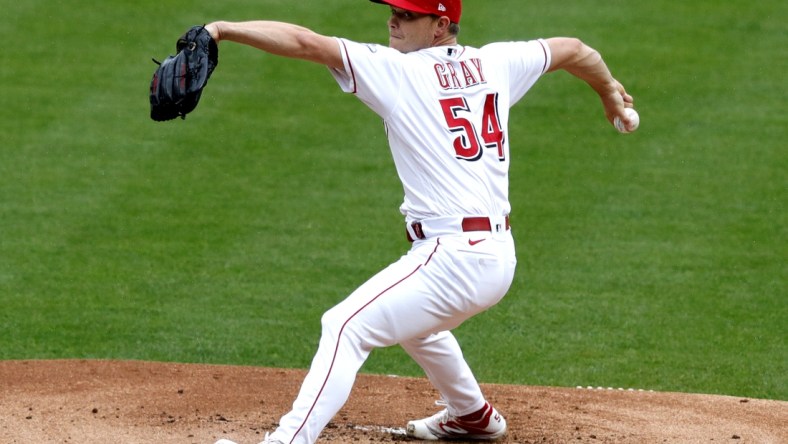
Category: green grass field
[655,260]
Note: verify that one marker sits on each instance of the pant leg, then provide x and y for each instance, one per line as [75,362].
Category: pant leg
[350,330]
[439,354]
[442,360]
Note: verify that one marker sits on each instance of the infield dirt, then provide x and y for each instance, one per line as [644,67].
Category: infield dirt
[78,401]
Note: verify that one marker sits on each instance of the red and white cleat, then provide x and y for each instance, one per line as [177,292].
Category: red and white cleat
[489,426]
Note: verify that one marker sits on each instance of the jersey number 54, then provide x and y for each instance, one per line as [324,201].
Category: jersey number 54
[468,145]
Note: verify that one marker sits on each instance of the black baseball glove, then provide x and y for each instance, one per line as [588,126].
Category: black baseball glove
[179,80]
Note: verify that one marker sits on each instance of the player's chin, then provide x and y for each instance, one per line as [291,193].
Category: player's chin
[402,48]
[397,43]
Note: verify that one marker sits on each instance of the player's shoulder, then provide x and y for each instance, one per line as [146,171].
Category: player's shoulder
[535,50]
[514,45]
[368,48]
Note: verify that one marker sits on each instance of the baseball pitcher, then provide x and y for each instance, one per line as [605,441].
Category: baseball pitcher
[445,107]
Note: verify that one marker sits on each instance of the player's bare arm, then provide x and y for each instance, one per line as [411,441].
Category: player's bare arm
[283,39]
[585,63]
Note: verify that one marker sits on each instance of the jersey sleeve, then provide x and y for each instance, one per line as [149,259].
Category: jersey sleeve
[525,61]
[372,72]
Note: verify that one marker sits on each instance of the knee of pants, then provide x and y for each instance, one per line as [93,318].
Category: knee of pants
[336,322]
[331,322]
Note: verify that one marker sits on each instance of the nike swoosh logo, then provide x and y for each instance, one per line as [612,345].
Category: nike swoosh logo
[474,242]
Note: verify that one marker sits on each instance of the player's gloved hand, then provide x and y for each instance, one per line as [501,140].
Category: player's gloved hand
[178,82]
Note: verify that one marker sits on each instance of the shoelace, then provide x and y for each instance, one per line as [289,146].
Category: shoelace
[443,414]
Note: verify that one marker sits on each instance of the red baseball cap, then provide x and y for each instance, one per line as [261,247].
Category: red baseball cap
[449,8]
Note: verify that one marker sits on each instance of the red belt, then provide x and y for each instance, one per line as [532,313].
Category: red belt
[468,224]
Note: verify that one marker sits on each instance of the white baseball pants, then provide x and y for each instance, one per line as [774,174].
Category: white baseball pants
[414,302]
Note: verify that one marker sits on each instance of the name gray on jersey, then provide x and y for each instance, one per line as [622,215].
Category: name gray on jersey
[460,75]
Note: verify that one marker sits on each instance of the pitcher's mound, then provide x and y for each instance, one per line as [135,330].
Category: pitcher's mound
[144,402]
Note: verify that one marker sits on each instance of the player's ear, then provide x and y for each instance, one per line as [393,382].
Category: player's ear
[442,27]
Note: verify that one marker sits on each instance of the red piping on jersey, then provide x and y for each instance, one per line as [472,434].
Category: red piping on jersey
[545,67]
[334,358]
[350,65]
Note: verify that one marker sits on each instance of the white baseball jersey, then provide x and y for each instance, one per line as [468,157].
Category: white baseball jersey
[446,112]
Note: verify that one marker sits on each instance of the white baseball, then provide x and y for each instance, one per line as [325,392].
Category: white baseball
[634,119]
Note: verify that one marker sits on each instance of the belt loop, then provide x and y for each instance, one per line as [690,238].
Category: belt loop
[414,231]
[418,230]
